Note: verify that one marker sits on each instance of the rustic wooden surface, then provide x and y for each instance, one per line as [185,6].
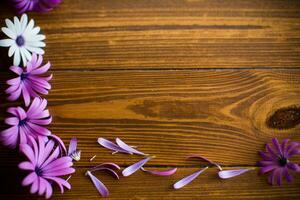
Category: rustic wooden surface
[174,77]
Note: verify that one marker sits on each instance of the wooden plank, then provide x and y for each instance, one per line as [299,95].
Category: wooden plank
[144,186]
[219,114]
[143,34]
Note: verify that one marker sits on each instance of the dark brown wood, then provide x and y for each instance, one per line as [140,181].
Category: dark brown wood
[173,77]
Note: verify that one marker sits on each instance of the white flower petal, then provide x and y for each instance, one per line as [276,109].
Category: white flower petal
[9,33]
[24,21]
[17,25]
[17,57]
[10,25]
[23,56]
[12,50]
[6,42]
[35,50]
[29,28]
[26,53]
[35,43]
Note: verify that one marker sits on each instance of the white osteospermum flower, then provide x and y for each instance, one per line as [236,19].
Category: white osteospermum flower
[24,39]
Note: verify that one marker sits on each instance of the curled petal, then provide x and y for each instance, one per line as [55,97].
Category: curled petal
[225,174]
[102,189]
[136,166]
[128,148]
[186,180]
[60,143]
[110,145]
[206,160]
[112,166]
[160,173]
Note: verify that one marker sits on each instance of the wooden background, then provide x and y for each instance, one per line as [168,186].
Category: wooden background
[174,77]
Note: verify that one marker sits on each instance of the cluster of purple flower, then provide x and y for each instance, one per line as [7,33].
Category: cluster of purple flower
[23,6]
[47,159]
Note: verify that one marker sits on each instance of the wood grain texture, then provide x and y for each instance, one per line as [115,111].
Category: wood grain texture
[135,34]
[171,114]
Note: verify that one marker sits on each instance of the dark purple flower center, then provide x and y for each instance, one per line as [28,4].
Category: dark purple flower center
[24,76]
[282,161]
[22,122]
[20,40]
[38,171]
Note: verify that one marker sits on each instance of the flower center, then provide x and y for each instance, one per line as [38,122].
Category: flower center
[24,76]
[20,40]
[283,161]
[38,171]
[22,122]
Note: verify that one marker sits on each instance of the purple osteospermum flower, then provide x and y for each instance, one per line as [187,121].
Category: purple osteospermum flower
[25,124]
[23,6]
[45,166]
[276,161]
[30,82]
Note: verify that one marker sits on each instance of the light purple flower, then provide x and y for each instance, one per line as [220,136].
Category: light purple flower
[72,151]
[136,166]
[30,81]
[225,174]
[120,146]
[45,166]
[186,180]
[276,161]
[111,167]
[23,6]
[168,172]
[25,124]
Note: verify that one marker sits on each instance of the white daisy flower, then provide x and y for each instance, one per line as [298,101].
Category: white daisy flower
[24,39]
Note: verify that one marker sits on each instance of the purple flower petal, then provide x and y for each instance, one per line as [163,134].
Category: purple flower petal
[60,142]
[112,146]
[136,166]
[102,189]
[160,173]
[186,180]
[72,146]
[107,169]
[205,159]
[112,166]
[277,145]
[128,148]
[225,174]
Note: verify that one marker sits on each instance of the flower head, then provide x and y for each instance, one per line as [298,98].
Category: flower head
[30,81]
[276,161]
[24,39]
[23,6]
[26,123]
[45,166]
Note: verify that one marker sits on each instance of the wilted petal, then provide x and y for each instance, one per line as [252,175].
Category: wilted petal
[110,145]
[102,189]
[136,166]
[206,160]
[186,180]
[168,172]
[128,148]
[225,174]
[106,165]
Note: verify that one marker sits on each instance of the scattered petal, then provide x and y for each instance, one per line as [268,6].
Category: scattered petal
[186,180]
[102,189]
[136,166]
[160,173]
[206,160]
[225,174]
[128,148]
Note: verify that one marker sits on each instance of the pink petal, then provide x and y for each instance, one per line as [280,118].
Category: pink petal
[16,69]
[186,180]
[26,166]
[128,148]
[42,186]
[35,186]
[49,190]
[136,166]
[60,172]
[161,173]
[60,182]
[225,174]
[28,152]
[60,143]
[102,189]
[12,121]
[29,179]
